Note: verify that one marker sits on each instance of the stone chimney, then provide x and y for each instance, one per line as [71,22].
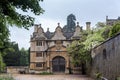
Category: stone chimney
[47,29]
[59,24]
[36,27]
[78,24]
[106,17]
[88,25]
[107,20]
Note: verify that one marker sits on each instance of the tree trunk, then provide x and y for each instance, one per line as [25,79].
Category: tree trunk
[83,69]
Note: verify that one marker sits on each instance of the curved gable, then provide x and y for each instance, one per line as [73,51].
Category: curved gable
[40,35]
[77,33]
[58,35]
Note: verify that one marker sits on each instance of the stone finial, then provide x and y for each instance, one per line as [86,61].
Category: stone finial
[47,29]
[106,17]
[77,23]
[58,24]
[35,27]
[40,25]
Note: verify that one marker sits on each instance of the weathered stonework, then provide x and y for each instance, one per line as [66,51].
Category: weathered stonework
[111,22]
[47,47]
[106,58]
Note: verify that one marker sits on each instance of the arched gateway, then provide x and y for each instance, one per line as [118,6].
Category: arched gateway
[58,64]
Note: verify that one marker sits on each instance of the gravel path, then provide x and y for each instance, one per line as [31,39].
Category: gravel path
[50,77]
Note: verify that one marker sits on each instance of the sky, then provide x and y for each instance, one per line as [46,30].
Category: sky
[56,11]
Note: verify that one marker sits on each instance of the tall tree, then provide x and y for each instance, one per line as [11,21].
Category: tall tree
[12,57]
[24,57]
[100,24]
[115,30]
[9,17]
[2,65]
[79,55]
[70,27]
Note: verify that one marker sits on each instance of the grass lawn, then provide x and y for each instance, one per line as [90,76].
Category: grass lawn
[6,77]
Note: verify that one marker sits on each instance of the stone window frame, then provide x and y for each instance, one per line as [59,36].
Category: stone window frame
[39,64]
[39,54]
[39,43]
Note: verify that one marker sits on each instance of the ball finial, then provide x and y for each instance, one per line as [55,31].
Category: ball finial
[58,24]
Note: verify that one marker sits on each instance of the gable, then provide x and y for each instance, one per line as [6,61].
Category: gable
[40,34]
[58,35]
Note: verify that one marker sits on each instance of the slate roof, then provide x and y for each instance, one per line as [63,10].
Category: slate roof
[49,34]
[68,35]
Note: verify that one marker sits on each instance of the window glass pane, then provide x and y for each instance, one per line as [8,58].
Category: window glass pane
[39,43]
[39,54]
[38,64]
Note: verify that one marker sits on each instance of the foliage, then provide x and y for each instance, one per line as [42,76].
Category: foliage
[2,65]
[100,24]
[80,56]
[70,27]
[4,48]
[106,31]
[16,57]
[98,75]
[97,36]
[12,58]
[9,17]
[115,30]
[93,39]
[6,78]
[78,52]
[24,56]
[104,28]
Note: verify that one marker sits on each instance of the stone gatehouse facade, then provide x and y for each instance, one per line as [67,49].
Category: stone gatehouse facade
[48,50]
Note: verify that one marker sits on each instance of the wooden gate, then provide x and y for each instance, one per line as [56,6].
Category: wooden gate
[58,64]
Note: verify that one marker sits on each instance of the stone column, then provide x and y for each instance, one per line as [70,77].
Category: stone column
[48,62]
[67,66]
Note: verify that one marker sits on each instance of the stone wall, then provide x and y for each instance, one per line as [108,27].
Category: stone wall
[17,69]
[106,58]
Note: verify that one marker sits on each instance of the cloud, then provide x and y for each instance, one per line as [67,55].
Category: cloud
[49,23]
[58,10]
[22,36]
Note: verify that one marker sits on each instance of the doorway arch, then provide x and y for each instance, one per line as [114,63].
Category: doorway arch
[58,64]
